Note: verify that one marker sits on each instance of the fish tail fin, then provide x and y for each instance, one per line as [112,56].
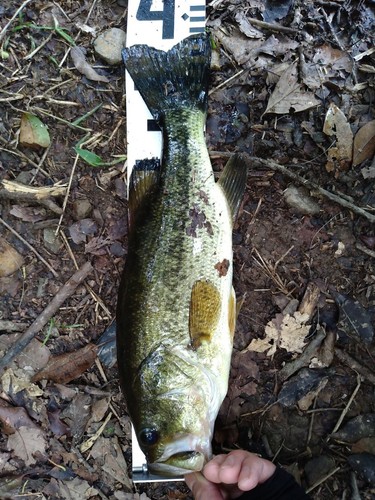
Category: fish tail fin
[173,79]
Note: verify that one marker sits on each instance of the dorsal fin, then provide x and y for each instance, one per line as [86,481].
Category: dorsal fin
[233,181]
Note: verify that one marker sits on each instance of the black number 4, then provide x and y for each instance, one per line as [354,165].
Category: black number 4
[144,13]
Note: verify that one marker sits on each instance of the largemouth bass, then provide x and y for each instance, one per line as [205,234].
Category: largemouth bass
[176,305]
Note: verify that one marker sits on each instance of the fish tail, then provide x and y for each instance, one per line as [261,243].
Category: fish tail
[173,79]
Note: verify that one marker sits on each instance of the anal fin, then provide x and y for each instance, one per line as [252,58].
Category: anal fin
[232,313]
[205,308]
[233,181]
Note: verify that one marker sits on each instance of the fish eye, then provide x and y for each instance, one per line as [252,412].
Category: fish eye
[148,436]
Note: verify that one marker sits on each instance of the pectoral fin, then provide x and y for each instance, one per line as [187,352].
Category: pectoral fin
[205,308]
[232,315]
[233,181]
[143,181]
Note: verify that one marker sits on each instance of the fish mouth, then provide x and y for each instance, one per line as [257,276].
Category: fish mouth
[179,464]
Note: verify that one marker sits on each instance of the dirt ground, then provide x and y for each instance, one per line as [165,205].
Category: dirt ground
[292,85]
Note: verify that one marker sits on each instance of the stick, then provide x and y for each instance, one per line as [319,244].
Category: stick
[65,292]
[347,407]
[4,30]
[12,190]
[273,26]
[354,365]
[303,360]
[42,259]
[323,479]
[311,185]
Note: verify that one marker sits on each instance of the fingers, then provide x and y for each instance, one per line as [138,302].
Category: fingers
[240,467]
[201,488]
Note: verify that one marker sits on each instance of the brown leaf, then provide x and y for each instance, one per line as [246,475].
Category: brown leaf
[68,366]
[364,143]
[26,443]
[10,259]
[79,61]
[28,214]
[288,95]
[340,154]
[12,419]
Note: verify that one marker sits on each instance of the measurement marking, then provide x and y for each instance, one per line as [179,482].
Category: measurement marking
[197,7]
[197,30]
[152,126]
[197,19]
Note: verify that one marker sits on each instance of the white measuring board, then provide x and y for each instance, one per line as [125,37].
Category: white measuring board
[160,24]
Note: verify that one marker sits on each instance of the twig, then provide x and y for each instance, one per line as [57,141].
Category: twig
[86,445]
[35,51]
[42,259]
[12,326]
[96,298]
[303,360]
[311,185]
[65,292]
[24,157]
[273,26]
[354,365]
[365,250]
[223,84]
[67,194]
[12,190]
[323,479]
[354,486]
[5,29]
[347,407]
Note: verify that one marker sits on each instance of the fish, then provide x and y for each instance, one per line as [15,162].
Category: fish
[176,308]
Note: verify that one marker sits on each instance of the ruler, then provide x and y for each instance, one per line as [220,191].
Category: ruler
[160,24]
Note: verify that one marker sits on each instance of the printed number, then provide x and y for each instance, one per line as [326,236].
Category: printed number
[144,13]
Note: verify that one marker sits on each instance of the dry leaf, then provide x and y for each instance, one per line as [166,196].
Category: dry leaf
[364,143]
[28,214]
[76,489]
[340,154]
[246,28]
[16,381]
[288,96]
[10,259]
[26,442]
[68,366]
[283,331]
[33,132]
[109,457]
[80,63]
[34,357]
[12,419]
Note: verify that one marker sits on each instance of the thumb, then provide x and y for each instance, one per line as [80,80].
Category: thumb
[201,488]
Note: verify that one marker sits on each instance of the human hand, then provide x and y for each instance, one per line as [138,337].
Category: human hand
[228,476]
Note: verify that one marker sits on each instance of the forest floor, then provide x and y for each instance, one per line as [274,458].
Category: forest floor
[292,85]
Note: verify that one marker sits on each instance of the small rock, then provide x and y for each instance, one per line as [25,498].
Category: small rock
[109,45]
[10,259]
[51,241]
[364,464]
[299,200]
[318,467]
[362,426]
[81,208]
[300,385]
